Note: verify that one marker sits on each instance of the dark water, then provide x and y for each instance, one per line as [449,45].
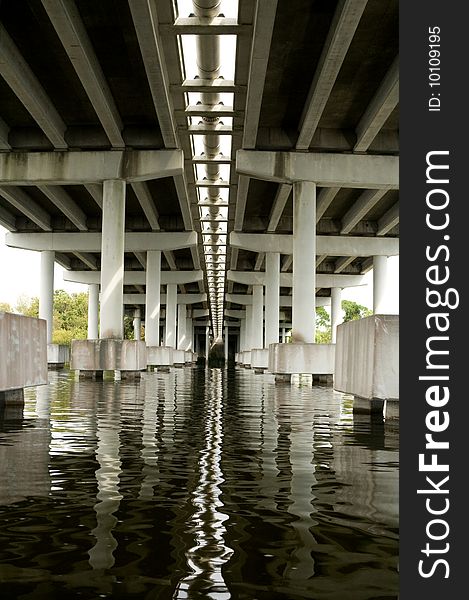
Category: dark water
[196,484]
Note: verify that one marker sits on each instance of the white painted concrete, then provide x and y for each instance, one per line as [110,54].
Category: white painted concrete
[152,298]
[112,260]
[304,262]
[46,291]
[181,327]
[367,357]
[171,304]
[160,356]
[272,297]
[380,277]
[93,311]
[137,323]
[260,358]
[108,355]
[257,317]
[336,312]
[315,359]
[23,352]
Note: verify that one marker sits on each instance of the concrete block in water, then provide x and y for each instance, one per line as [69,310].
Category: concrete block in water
[315,359]
[160,356]
[23,352]
[108,355]
[367,358]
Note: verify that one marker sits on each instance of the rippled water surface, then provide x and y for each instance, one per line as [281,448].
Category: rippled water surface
[196,484]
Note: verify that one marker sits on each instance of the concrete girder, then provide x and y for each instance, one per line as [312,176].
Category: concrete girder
[324,169]
[381,106]
[4,130]
[88,259]
[22,202]
[324,200]
[278,206]
[286,279]
[389,220]
[360,208]
[7,220]
[286,301]
[344,24]
[136,277]
[142,192]
[60,198]
[91,242]
[331,245]
[260,52]
[342,263]
[95,190]
[69,27]
[83,167]
[146,26]
[181,298]
[19,76]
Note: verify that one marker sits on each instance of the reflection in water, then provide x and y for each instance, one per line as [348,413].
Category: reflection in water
[196,484]
[209,553]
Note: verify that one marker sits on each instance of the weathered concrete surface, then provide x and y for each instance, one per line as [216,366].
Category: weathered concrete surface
[246,358]
[23,352]
[58,354]
[108,355]
[316,359]
[260,359]
[179,358]
[160,356]
[367,358]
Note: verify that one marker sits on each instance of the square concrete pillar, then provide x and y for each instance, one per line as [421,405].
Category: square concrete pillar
[367,362]
[313,359]
[58,355]
[259,360]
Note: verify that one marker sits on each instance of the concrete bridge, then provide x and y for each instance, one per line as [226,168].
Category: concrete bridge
[210,163]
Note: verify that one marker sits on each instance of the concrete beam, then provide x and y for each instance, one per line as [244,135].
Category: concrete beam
[145,21]
[331,245]
[88,259]
[91,242]
[142,192]
[204,26]
[82,167]
[360,208]
[19,76]
[389,220]
[135,277]
[260,51]
[181,298]
[60,198]
[278,206]
[324,169]
[381,106]
[7,219]
[4,131]
[95,190]
[342,263]
[344,24]
[69,27]
[324,200]
[286,279]
[286,301]
[25,204]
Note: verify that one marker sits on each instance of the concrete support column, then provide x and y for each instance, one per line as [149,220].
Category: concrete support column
[242,335]
[153,301]
[272,297]
[46,291]
[171,303]
[336,311]
[284,335]
[189,334]
[112,260]
[182,313]
[247,336]
[137,323]
[93,311]
[207,341]
[380,272]
[257,318]
[226,343]
[304,262]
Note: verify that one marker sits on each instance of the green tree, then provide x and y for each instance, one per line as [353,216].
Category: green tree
[354,311]
[27,306]
[5,307]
